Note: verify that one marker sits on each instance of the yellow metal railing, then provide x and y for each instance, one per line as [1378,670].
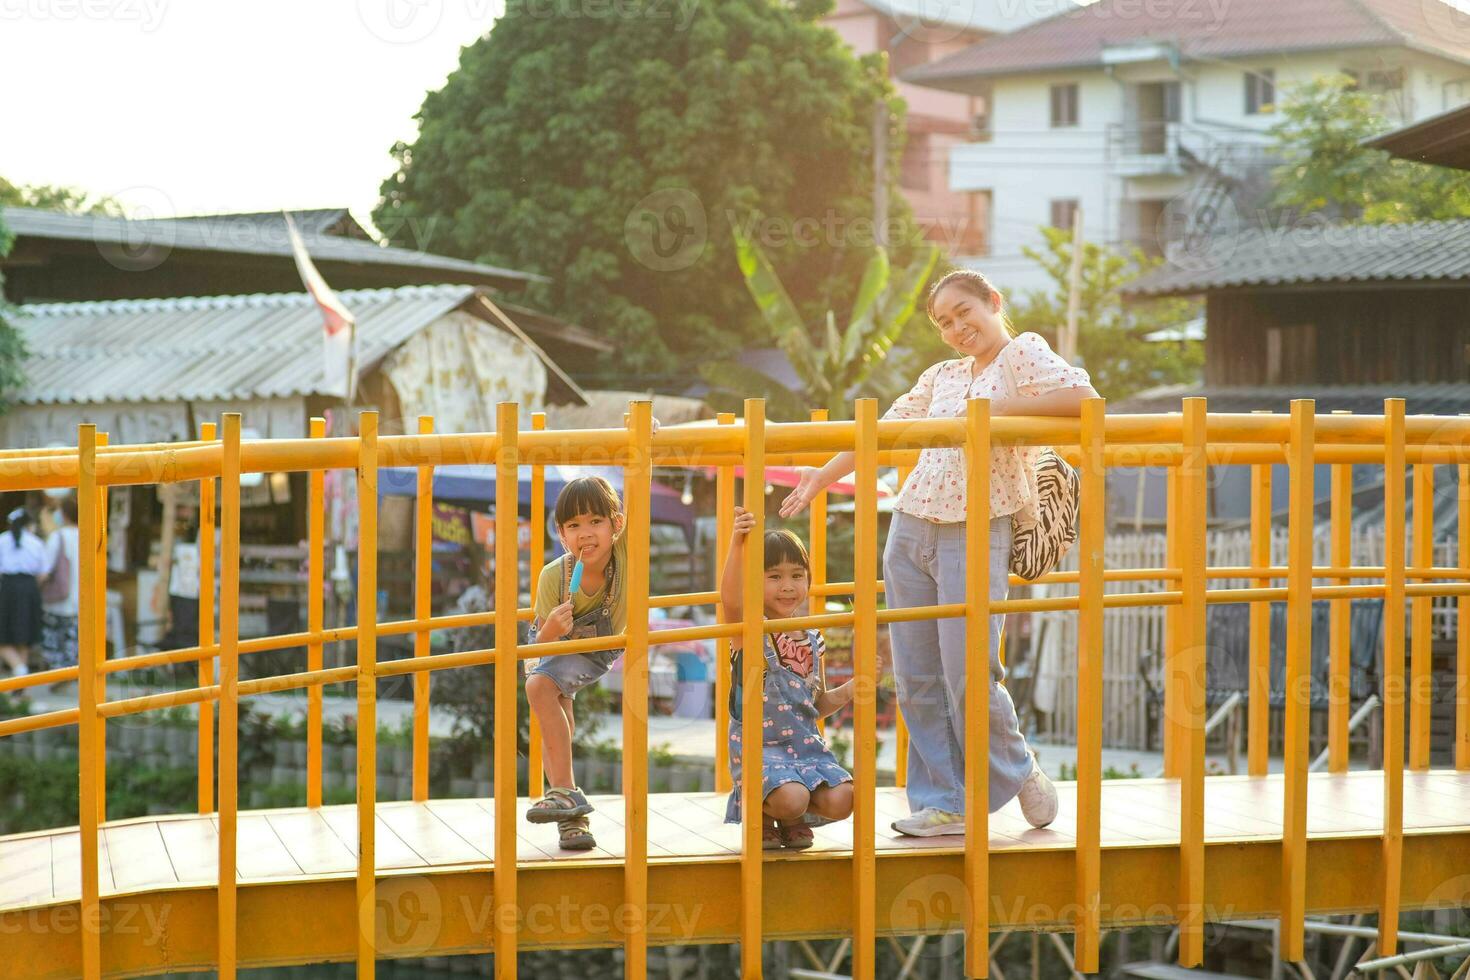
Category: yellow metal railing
[1187,444]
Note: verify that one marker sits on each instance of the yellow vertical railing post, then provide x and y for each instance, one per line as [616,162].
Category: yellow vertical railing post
[1190,676]
[977,692]
[1340,623]
[535,773]
[724,527]
[316,521]
[229,692]
[423,559]
[817,551]
[900,726]
[637,479]
[1462,629]
[367,693]
[1297,678]
[1258,680]
[89,638]
[752,663]
[101,614]
[865,699]
[1393,674]
[1172,733]
[1420,668]
[206,630]
[507,683]
[1092,527]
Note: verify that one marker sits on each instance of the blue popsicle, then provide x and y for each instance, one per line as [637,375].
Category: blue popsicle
[576,577]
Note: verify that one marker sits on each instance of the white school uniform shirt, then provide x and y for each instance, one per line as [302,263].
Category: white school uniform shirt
[936,489]
[28,557]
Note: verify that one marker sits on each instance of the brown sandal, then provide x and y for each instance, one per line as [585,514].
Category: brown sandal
[560,803]
[796,837]
[575,834]
[770,836]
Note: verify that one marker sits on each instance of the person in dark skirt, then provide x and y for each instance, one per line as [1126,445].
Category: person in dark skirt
[22,562]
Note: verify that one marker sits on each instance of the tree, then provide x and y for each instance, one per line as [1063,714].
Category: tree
[610,147]
[885,302]
[12,344]
[1111,336]
[55,197]
[1326,168]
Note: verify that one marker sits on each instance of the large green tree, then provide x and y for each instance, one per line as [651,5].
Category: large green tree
[56,197]
[1326,169]
[12,345]
[1111,336]
[613,147]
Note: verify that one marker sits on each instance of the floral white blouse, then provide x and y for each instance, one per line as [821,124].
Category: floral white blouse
[935,490]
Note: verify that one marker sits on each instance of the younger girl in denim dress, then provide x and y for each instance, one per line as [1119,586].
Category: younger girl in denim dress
[801,776]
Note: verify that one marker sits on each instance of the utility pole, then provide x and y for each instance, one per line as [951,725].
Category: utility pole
[1068,339]
[880,173]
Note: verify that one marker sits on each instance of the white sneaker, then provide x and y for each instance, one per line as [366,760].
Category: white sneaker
[1038,797]
[931,822]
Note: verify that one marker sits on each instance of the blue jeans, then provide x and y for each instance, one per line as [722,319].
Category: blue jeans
[924,565]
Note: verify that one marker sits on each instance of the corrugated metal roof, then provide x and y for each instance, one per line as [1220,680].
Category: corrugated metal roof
[1424,251]
[309,221]
[1076,38]
[208,348]
[244,237]
[1419,399]
[1442,139]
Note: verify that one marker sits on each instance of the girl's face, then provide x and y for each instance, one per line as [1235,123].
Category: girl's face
[967,323]
[590,537]
[786,586]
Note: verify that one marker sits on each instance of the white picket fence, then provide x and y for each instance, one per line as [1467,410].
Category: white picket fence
[1133,637]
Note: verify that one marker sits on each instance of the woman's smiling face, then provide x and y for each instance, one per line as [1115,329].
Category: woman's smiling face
[969,324]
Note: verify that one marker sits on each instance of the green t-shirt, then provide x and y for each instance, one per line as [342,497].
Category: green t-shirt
[549,589]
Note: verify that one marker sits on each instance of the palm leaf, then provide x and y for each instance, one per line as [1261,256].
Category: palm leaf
[775,305]
[864,308]
[899,302]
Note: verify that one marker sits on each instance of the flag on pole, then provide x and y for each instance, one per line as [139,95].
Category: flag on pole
[339,327]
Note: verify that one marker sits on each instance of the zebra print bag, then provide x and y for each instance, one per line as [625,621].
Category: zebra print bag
[1037,548]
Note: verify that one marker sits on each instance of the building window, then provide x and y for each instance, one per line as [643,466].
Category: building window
[1064,105]
[1388,80]
[1063,213]
[1260,91]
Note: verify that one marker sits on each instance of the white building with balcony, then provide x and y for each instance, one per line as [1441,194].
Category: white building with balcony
[1153,117]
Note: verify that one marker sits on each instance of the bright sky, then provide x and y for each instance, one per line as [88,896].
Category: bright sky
[201,106]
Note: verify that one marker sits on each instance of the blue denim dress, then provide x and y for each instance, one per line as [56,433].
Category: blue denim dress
[794,751]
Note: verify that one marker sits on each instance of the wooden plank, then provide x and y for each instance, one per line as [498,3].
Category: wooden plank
[472,822]
[25,871]
[193,848]
[259,853]
[429,836]
[66,866]
[313,845]
[139,858]
[391,851]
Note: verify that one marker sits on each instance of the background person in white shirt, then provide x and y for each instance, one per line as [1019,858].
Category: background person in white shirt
[60,600]
[22,562]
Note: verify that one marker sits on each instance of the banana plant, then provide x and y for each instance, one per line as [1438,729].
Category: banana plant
[843,359]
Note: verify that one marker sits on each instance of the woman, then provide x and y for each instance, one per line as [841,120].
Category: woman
[59,610]
[22,560]
[924,561]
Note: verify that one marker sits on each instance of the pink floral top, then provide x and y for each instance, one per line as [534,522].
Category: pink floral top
[935,490]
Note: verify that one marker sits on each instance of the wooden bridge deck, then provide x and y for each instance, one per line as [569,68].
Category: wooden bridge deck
[296,868]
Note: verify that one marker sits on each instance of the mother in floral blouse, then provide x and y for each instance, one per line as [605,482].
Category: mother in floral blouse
[924,561]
